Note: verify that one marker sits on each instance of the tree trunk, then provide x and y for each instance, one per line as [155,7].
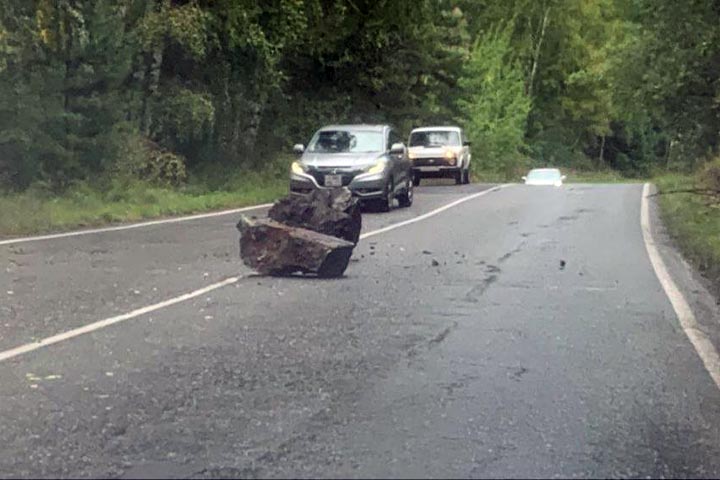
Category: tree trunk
[602,151]
[536,54]
[253,125]
[65,35]
[153,62]
[152,87]
[667,155]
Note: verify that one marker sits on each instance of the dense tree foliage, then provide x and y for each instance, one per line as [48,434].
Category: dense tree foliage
[493,102]
[97,88]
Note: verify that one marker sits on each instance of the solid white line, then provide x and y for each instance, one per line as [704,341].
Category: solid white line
[433,212]
[131,226]
[29,347]
[689,324]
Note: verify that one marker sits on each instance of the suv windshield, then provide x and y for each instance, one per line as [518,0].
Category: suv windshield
[437,138]
[346,141]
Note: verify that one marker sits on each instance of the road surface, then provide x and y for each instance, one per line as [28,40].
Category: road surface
[520,333]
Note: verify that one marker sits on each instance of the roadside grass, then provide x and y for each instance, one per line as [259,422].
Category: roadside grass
[487,177]
[573,176]
[116,201]
[693,221]
[601,176]
[36,211]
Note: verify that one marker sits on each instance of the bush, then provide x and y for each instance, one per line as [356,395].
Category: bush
[693,221]
[164,167]
[494,104]
[142,159]
[709,177]
[182,118]
[550,148]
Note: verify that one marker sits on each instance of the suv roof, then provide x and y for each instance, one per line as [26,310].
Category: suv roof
[356,126]
[445,128]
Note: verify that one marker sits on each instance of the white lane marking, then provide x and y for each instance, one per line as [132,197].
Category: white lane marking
[29,347]
[432,212]
[701,342]
[131,226]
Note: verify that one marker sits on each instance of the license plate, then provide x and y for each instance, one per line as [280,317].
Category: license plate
[333,180]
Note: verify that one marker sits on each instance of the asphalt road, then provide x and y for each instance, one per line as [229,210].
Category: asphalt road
[522,333]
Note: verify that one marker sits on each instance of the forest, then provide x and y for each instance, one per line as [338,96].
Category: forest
[161,89]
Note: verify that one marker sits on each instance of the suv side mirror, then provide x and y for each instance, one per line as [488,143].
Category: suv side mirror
[563,177]
[524,177]
[397,149]
[467,144]
[299,148]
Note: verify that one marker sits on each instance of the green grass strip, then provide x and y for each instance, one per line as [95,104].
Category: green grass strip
[693,221]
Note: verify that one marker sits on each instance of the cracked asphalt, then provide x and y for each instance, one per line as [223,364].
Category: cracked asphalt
[520,334]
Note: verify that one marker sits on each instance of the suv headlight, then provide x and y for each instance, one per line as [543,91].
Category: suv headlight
[297,167]
[451,156]
[379,167]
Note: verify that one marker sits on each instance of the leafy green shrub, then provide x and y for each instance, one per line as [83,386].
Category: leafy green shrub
[709,177]
[495,105]
[165,167]
[692,221]
[142,159]
[40,189]
[550,148]
[182,117]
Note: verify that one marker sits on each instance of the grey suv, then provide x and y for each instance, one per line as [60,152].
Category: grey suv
[370,160]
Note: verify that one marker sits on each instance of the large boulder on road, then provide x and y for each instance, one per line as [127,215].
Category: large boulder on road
[330,211]
[272,248]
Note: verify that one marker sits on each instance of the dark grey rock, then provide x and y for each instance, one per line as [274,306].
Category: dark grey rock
[270,247]
[333,212]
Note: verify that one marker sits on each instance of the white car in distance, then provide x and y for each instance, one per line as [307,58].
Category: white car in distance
[544,176]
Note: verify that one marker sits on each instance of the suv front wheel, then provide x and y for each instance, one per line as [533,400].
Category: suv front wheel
[406,198]
[384,204]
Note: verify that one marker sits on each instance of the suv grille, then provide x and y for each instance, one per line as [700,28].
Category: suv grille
[431,162]
[347,176]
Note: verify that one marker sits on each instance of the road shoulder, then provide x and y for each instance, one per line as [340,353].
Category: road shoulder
[696,289]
